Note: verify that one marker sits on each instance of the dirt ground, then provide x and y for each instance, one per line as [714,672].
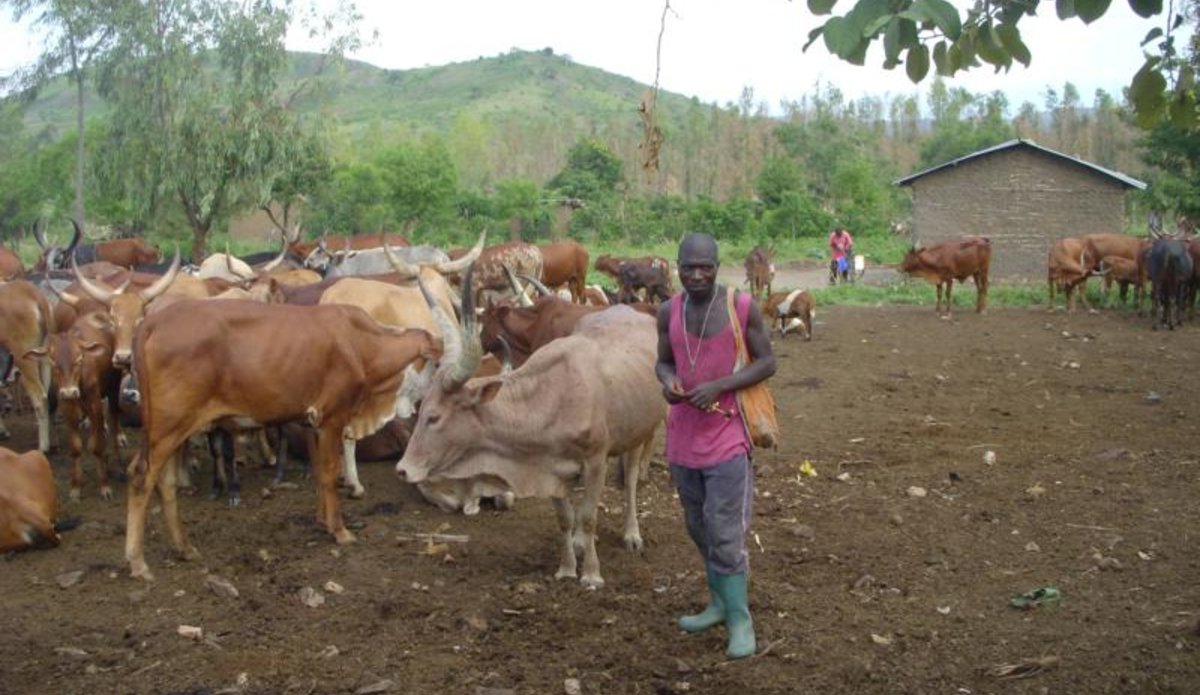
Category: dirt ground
[859,583]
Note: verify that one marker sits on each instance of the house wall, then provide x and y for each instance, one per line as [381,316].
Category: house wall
[1020,198]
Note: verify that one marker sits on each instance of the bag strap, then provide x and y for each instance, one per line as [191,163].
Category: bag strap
[742,356]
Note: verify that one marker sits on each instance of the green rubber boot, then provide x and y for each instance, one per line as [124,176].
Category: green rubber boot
[712,615]
[732,590]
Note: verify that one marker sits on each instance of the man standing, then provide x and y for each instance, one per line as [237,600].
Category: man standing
[841,245]
[708,448]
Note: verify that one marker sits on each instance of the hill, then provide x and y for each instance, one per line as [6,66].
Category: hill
[520,86]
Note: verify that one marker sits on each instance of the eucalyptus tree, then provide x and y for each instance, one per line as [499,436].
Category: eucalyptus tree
[200,112]
[78,33]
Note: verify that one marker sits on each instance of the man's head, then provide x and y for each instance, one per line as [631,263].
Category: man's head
[697,264]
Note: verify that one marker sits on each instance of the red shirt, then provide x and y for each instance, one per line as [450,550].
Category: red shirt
[840,244]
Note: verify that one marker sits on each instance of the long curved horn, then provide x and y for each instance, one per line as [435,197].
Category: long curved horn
[458,266]
[542,289]
[97,291]
[160,285]
[39,232]
[469,350]
[516,287]
[405,269]
[505,355]
[234,271]
[74,238]
[274,262]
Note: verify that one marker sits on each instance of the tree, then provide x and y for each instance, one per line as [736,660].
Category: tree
[592,171]
[197,111]
[79,33]
[925,33]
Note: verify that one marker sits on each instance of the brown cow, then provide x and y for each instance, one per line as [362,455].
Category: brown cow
[26,323]
[122,252]
[1124,272]
[88,387]
[950,260]
[1068,268]
[565,263]
[331,366]
[353,242]
[127,308]
[795,309]
[760,271]
[28,504]
[11,266]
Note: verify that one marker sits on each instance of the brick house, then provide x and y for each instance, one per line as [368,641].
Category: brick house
[1020,195]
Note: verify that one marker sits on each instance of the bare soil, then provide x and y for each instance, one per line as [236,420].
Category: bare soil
[858,584]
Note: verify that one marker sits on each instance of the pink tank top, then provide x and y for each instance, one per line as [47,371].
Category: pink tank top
[696,439]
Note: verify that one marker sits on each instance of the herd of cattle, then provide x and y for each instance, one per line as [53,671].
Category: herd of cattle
[489,373]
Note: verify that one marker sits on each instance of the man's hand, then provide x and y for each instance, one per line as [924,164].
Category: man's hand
[704,395]
[674,392]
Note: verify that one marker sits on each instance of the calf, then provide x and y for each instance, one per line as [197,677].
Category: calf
[760,271]
[26,323]
[88,389]
[1124,272]
[954,259]
[565,263]
[793,310]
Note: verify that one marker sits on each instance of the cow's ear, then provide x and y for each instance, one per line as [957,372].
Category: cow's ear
[488,391]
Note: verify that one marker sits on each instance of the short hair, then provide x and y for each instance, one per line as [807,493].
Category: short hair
[700,243]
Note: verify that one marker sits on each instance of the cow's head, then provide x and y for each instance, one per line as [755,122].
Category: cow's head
[448,422]
[55,257]
[146,252]
[127,309]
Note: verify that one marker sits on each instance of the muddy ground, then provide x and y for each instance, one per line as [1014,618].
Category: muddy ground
[857,584]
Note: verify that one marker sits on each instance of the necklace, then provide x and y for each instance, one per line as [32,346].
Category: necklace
[687,348]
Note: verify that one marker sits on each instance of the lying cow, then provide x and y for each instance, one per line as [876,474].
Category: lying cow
[28,505]
[580,399]
[793,310]
[954,259]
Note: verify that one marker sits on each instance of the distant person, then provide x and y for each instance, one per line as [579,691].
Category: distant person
[841,248]
[708,448]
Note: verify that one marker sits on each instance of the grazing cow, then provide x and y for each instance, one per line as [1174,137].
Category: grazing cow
[1097,246]
[793,310]
[611,267]
[330,366]
[88,387]
[11,266]
[1067,268]
[635,277]
[555,421]
[760,271]
[28,504]
[1170,271]
[950,260]
[26,323]
[565,263]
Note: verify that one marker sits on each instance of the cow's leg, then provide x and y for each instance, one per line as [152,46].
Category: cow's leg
[593,487]
[566,525]
[326,465]
[144,471]
[264,448]
[96,439]
[168,489]
[36,390]
[350,472]
[630,463]
[72,419]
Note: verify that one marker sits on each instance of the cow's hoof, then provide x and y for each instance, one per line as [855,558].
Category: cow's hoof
[140,570]
[235,501]
[358,493]
[633,542]
[189,553]
[74,495]
[592,582]
[106,493]
[564,573]
[343,536]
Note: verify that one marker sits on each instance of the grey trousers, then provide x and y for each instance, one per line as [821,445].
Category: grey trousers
[716,509]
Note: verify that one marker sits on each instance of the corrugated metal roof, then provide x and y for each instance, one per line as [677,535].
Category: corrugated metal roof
[1122,178]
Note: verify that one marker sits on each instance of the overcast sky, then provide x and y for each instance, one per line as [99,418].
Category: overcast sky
[711,49]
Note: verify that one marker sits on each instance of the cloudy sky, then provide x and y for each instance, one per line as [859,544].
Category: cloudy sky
[711,49]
